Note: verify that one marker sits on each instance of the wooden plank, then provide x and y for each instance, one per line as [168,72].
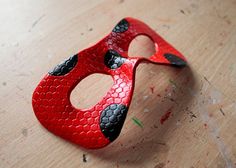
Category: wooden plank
[200,132]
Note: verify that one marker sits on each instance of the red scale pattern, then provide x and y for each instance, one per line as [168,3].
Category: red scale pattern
[51,98]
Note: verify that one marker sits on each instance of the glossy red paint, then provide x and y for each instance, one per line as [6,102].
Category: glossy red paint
[51,98]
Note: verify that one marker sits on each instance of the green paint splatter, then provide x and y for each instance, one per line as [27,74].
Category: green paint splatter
[137,122]
[173,83]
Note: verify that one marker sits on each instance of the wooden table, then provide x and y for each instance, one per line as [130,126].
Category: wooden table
[201,129]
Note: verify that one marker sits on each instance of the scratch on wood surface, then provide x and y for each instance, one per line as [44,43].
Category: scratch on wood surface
[36,22]
[207,80]
[182,11]
[171,99]
[222,112]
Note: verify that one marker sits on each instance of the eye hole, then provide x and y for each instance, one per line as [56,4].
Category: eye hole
[141,46]
[90,90]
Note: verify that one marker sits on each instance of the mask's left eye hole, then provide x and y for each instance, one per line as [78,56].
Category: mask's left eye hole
[90,90]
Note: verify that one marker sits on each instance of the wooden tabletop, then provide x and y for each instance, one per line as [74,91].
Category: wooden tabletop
[188,115]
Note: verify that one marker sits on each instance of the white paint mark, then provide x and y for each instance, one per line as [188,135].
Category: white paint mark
[212,125]
[146,110]
[215,96]
[169,94]
[145,97]
[214,101]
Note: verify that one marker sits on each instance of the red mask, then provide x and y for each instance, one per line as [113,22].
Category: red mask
[101,124]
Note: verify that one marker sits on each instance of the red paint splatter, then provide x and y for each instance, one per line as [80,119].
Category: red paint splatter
[152,89]
[165,116]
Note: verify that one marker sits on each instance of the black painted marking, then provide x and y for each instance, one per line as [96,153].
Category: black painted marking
[112,120]
[113,59]
[174,60]
[121,27]
[64,67]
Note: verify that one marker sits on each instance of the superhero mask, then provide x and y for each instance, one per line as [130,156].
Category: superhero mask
[101,124]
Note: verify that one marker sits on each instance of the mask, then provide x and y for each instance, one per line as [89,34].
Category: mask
[101,124]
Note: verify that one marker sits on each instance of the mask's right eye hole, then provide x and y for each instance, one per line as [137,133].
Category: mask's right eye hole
[90,90]
[141,46]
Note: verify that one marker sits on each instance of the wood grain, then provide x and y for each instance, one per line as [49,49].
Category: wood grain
[200,132]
